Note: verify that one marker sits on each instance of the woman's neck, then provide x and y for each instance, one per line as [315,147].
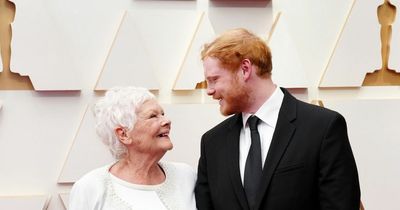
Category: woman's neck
[139,170]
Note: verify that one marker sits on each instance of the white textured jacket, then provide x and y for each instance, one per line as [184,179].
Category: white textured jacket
[95,191]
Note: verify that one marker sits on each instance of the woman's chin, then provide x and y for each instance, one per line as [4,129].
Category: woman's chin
[167,145]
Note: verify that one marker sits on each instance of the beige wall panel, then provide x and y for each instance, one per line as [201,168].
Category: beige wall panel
[254,16]
[358,48]
[189,123]
[64,199]
[86,152]
[316,25]
[128,62]
[61,44]
[373,127]
[34,202]
[166,35]
[288,70]
[41,46]
[35,132]
[191,70]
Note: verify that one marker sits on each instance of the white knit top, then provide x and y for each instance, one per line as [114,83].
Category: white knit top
[97,190]
[129,193]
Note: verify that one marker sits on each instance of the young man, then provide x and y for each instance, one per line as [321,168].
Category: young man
[275,152]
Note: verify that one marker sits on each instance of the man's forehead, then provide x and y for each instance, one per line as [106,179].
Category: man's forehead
[211,61]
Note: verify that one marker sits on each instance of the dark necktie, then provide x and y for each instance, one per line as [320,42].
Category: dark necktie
[253,168]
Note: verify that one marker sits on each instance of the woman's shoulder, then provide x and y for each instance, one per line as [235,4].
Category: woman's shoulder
[177,190]
[88,191]
[93,179]
[179,170]
[95,174]
[178,166]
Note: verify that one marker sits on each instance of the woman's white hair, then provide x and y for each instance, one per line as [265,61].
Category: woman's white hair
[118,109]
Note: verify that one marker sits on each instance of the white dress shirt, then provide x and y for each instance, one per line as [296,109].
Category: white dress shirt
[268,115]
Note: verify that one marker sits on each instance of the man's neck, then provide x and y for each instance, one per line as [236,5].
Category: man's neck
[261,92]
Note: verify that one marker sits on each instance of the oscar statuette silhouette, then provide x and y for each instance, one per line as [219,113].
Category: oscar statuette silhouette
[8,79]
[385,76]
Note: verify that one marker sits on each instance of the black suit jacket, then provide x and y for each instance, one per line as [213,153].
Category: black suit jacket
[309,165]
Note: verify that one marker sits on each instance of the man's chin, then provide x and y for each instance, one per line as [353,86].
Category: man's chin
[225,111]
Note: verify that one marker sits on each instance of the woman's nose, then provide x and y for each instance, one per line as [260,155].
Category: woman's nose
[165,121]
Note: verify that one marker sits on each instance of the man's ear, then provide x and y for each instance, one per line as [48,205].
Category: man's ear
[122,136]
[246,68]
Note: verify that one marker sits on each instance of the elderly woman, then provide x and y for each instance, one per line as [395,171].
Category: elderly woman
[133,125]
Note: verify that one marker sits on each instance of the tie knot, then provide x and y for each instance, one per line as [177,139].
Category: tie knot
[253,122]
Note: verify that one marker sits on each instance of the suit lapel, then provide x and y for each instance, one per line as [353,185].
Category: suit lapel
[283,133]
[233,138]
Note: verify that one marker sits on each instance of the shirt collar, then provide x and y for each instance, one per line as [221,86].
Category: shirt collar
[269,111]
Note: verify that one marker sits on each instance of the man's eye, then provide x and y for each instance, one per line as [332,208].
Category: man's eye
[212,80]
[153,116]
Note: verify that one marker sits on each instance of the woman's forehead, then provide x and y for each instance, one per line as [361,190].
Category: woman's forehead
[151,104]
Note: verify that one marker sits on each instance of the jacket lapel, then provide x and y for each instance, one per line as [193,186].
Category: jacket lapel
[283,133]
[233,160]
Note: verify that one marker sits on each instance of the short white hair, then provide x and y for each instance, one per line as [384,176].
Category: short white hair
[118,109]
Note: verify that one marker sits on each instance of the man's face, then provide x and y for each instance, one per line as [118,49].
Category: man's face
[226,86]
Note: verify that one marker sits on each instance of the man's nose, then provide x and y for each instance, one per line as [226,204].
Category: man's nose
[210,91]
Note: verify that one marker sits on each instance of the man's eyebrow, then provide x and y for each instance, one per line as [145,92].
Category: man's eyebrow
[212,77]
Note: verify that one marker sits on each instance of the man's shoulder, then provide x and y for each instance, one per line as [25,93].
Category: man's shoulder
[312,111]
[306,110]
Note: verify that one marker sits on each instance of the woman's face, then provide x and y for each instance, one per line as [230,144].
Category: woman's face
[151,131]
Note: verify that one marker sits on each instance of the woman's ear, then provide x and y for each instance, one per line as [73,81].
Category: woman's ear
[121,134]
